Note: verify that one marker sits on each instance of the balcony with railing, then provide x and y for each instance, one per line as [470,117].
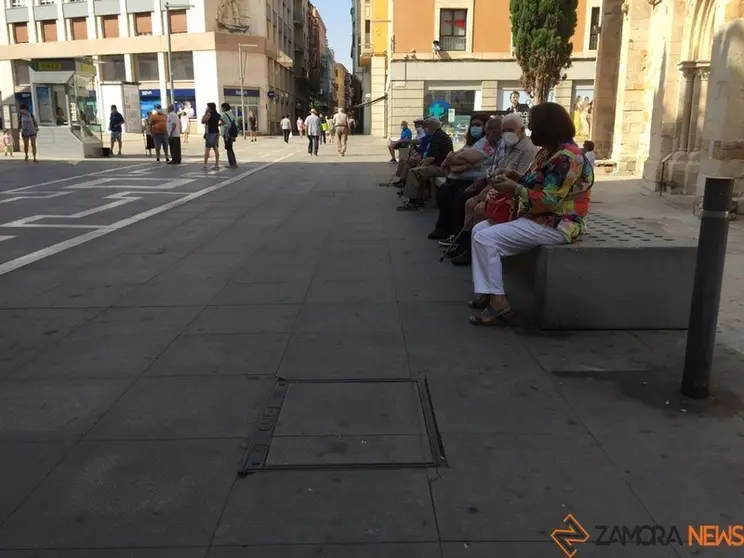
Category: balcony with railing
[453,43]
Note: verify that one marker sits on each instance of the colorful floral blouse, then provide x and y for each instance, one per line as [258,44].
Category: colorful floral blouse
[555,190]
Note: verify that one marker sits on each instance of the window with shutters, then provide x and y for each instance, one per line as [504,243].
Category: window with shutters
[147,67]
[49,31]
[20,33]
[594,29]
[453,29]
[143,24]
[113,68]
[79,28]
[177,21]
[110,26]
[20,72]
[183,66]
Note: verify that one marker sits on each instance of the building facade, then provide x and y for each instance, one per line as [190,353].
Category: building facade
[301,57]
[670,106]
[452,58]
[127,41]
[319,66]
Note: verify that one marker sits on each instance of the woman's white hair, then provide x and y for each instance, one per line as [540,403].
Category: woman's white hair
[513,119]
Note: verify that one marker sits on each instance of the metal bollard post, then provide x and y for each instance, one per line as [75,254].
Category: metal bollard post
[706,292]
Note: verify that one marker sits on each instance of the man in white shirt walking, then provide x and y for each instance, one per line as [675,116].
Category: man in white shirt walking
[312,125]
[286,125]
[174,136]
[341,130]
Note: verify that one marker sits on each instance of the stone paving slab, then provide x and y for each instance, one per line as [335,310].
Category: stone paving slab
[108,553]
[128,495]
[358,507]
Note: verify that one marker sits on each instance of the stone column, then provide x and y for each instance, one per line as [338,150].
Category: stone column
[688,73]
[490,92]
[605,81]
[703,73]
[694,112]
[722,139]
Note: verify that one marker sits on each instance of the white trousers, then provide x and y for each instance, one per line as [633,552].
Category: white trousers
[491,242]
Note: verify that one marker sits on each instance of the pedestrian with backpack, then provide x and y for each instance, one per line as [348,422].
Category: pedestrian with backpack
[229,130]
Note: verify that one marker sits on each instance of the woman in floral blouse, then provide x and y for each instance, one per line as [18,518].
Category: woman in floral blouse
[554,197]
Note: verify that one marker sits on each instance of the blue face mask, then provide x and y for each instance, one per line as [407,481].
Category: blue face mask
[476,132]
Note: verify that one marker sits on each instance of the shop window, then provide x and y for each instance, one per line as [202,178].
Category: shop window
[594,29]
[20,33]
[453,29]
[110,26]
[21,73]
[48,31]
[147,67]
[143,24]
[451,107]
[113,68]
[177,21]
[183,66]
[79,28]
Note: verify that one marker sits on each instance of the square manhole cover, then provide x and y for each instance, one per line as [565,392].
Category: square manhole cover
[317,424]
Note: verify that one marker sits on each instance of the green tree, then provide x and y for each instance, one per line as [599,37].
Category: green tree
[542,31]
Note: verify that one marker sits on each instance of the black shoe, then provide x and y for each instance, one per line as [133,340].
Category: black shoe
[438,234]
[463,259]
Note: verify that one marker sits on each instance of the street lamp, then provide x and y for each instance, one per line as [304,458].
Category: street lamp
[242,80]
[168,8]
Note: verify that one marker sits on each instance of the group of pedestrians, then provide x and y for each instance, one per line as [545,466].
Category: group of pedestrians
[340,126]
[163,132]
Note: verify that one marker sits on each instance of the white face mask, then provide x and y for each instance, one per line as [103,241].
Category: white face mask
[510,138]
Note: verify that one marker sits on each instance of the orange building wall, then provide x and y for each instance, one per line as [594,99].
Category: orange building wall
[491,26]
[413,25]
[578,36]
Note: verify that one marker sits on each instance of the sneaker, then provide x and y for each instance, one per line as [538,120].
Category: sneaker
[446,242]
[411,205]
[437,234]
[463,259]
[393,162]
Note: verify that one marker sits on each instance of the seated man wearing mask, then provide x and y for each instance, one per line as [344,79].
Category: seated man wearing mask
[518,157]
[467,166]
[421,142]
[440,145]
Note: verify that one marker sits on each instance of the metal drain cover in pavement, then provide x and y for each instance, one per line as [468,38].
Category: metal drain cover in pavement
[331,424]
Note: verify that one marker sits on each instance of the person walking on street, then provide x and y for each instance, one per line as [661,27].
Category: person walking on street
[341,130]
[28,128]
[312,125]
[7,143]
[300,127]
[185,126]
[323,127]
[115,122]
[253,124]
[286,125]
[159,124]
[229,132]
[147,131]
[174,136]
[352,125]
[211,121]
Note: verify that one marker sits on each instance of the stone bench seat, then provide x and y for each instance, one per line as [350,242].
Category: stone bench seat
[621,275]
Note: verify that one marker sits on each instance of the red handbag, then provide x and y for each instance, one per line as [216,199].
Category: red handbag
[500,207]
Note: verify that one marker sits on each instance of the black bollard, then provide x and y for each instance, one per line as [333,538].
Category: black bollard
[706,291]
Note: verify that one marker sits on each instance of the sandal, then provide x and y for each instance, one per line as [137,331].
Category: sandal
[492,317]
[480,302]
[408,206]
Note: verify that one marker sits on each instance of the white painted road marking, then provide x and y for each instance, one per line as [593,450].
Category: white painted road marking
[59,180]
[23,261]
[162,183]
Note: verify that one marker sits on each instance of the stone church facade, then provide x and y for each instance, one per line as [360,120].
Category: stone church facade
[669,90]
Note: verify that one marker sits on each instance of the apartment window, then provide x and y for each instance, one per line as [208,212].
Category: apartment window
[594,29]
[48,31]
[47,2]
[147,67]
[17,3]
[453,29]
[143,24]
[20,33]
[113,68]
[367,27]
[21,73]
[177,21]
[183,66]
[79,28]
[110,26]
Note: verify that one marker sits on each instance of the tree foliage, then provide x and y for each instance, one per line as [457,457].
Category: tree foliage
[542,31]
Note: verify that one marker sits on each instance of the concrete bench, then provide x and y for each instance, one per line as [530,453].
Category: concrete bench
[621,275]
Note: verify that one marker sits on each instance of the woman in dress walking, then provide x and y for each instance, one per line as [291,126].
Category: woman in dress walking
[185,126]
[147,131]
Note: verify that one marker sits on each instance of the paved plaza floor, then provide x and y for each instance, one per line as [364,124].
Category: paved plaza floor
[271,362]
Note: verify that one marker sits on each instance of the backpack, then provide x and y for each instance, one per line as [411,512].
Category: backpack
[232,131]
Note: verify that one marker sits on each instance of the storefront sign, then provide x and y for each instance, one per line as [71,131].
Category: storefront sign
[235,92]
